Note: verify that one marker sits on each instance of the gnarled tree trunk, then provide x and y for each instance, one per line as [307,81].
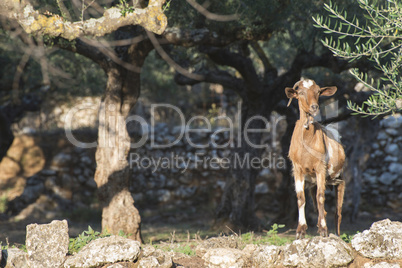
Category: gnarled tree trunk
[112,172]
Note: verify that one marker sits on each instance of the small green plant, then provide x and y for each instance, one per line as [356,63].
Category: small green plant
[273,237]
[125,8]
[83,239]
[6,247]
[186,249]
[123,234]
[346,237]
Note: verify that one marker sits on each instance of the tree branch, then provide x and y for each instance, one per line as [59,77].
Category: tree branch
[242,64]
[217,77]
[269,70]
[192,37]
[151,18]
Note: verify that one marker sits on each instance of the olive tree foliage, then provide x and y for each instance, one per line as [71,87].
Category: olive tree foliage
[376,36]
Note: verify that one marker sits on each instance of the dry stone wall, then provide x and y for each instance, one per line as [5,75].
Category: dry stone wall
[382,180]
[67,180]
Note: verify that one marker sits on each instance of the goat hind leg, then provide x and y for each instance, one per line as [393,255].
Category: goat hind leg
[339,193]
[313,193]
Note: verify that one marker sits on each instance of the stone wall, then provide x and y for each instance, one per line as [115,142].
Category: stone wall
[67,179]
[382,179]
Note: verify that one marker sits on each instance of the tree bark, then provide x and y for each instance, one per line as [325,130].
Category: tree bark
[112,172]
[52,25]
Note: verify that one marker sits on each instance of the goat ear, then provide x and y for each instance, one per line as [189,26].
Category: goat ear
[291,93]
[327,91]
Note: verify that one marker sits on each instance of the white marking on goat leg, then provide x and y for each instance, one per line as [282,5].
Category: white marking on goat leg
[307,83]
[323,223]
[299,186]
[302,216]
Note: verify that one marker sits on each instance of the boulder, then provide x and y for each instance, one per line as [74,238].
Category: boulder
[381,265]
[224,258]
[267,256]
[383,240]
[14,258]
[318,252]
[216,242]
[105,250]
[47,244]
[152,257]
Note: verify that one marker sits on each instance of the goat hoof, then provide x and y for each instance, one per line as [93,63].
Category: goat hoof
[300,235]
[323,232]
[301,231]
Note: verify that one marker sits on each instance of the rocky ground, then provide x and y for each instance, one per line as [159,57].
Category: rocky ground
[47,245]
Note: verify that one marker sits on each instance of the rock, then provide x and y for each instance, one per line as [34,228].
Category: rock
[115,265]
[178,130]
[389,158]
[383,240]
[105,250]
[261,188]
[163,195]
[392,149]
[86,160]
[152,257]
[185,179]
[266,174]
[381,265]
[224,257]
[47,244]
[387,178]
[91,183]
[392,132]
[14,258]
[318,252]
[382,135]
[48,172]
[395,168]
[391,122]
[148,262]
[267,256]
[185,191]
[216,242]
[370,179]
[61,160]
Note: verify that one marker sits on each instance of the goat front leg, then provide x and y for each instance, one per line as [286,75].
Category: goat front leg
[322,224]
[301,202]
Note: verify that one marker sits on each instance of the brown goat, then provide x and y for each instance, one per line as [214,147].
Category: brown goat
[316,154]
